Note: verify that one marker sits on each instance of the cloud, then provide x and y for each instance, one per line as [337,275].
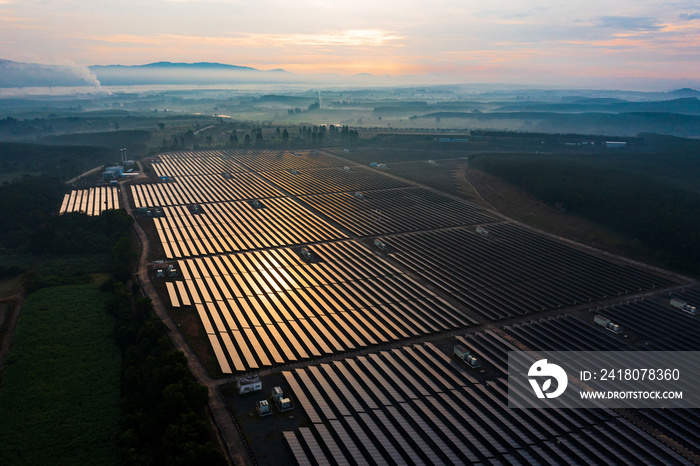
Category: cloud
[348,38]
[689,16]
[14,74]
[629,23]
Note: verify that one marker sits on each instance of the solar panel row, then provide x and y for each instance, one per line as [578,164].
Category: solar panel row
[469,424]
[282,308]
[92,201]
[202,189]
[236,226]
[515,272]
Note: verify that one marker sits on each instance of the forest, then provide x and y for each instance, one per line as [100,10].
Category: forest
[651,198]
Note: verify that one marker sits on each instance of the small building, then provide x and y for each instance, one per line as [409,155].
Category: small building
[615,144]
[172,271]
[380,244]
[607,324]
[683,306]
[463,353]
[263,408]
[358,195]
[307,254]
[113,173]
[282,402]
[256,204]
[196,209]
[248,384]
[483,231]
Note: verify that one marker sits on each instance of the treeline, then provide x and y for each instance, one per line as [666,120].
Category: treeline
[162,410]
[29,225]
[65,161]
[228,136]
[655,213]
[29,222]
[162,418]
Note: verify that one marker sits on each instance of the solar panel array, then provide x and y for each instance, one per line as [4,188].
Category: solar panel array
[331,180]
[396,210]
[262,305]
[271,307]
[649,325]
[92,201]
[195,163]
[202,188]
[268,160]
[514,271]
[414,405]
[238,226]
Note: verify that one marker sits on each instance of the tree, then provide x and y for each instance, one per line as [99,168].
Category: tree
[285,135]
[161,126]
[246,140]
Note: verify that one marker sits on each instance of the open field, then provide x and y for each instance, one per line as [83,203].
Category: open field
[60,390]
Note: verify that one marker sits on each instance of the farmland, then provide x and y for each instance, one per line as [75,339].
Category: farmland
[279,274]
[60,390]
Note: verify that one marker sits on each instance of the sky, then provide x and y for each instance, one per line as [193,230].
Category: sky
[613,42]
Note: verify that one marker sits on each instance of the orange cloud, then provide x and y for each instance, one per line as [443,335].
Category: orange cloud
[348,38]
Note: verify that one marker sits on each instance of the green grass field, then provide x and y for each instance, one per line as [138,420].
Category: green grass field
[59,400]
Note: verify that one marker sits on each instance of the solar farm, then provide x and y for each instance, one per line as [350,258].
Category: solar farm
[92,201]
[348,288]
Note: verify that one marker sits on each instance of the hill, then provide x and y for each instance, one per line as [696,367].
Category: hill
[181,73]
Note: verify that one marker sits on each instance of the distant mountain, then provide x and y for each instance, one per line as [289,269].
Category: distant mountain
[181,73]
[171,65]
[685,93]
[17,74]
[683,105]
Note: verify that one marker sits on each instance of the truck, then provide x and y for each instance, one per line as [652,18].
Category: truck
[683,306]
[607,324]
